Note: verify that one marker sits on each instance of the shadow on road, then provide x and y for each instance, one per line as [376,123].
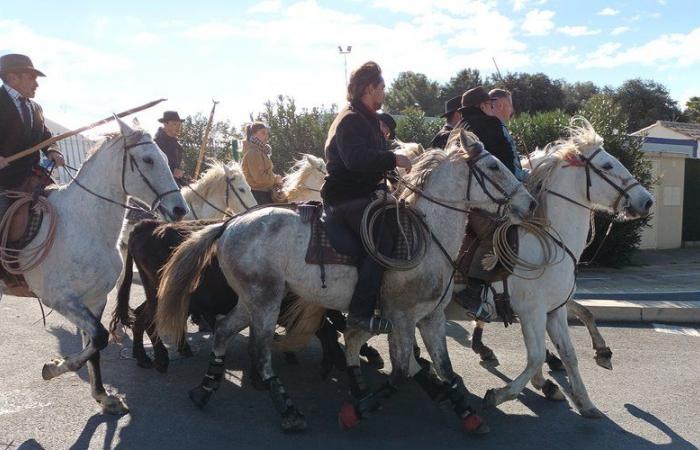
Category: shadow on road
[83,441]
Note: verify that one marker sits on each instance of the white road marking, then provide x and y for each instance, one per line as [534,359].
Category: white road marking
[673,329]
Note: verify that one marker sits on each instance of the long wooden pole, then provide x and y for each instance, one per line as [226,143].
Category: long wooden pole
[68,134]
[205,139]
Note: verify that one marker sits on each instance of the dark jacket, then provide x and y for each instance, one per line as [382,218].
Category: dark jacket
[14,138]
[356,155]
[440,139]
[171,147]
[494,135]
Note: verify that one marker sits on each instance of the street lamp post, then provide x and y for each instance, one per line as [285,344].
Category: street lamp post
[345,53]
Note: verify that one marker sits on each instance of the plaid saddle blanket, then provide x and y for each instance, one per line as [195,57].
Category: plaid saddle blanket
[320,250]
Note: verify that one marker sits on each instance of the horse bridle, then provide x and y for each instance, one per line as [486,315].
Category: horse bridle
[230,187]
[134,164]
[588,166]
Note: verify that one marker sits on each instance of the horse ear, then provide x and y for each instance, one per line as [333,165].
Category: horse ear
[470,145]
[125,129]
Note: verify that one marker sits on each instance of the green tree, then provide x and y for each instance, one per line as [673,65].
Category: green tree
[460,83]
[532,92]
[692,110]
[414,126]
[219,143]
[577,94]
[532,131]
[643,102]
[411,89]
[294,131]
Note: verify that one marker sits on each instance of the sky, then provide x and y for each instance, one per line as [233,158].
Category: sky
[103,57]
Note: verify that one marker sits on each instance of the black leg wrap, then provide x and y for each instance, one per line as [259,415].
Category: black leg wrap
[210,383]
[372,402]
[292,419]
[358,385]
[457,395]
[549,388]
[436,389]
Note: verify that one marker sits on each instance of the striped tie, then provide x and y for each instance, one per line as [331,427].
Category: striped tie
[26,114]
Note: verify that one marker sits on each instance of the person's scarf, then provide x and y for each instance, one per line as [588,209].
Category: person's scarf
[265,147]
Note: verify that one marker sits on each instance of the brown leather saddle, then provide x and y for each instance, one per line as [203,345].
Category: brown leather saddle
[24,225]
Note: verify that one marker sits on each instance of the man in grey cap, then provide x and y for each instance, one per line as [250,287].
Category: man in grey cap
[21,125]
[453,116]
[488,124]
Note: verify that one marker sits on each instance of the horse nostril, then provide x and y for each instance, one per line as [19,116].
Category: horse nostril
[533,205]
[648,204]
[179,212]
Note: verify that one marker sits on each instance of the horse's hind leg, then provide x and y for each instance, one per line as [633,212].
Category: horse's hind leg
[558,330]
[550,390]
[603,354]
[161,359]
[451,388]
[478,346]
[137,350]
[533,324]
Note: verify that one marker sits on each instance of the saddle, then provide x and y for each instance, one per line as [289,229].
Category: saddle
[24,225]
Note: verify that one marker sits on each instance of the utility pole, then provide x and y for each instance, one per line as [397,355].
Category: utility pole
[345,54]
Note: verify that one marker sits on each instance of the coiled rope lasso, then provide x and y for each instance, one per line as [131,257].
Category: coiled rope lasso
[377,209]
[11,258]
[543,233]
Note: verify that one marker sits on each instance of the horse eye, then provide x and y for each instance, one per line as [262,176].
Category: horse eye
[493,167]
[607,166]
[148,160]
[241,190]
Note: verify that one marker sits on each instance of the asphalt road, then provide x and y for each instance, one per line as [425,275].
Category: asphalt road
[650,399]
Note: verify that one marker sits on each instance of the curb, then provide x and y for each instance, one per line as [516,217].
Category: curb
[643,311]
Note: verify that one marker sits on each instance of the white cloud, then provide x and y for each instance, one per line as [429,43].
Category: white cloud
[146,38]
[519,5]
[269,6]
[673,50]
[619,30]
[561,55]
[608,12]
[577,31]
[538,23]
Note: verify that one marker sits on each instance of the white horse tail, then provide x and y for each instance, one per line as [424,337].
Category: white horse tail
[181,276]
[301,320]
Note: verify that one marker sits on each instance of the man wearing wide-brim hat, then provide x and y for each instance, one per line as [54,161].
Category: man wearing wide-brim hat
[166,138]
[21,125]
[452,117]
[480,117]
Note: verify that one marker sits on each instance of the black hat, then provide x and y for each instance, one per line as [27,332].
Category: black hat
[169,116]
[389,122]
[452,105]
[14,62]
[475,97]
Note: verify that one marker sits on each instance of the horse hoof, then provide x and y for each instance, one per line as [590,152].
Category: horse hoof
[489,400]
[552,392]
[603,358]
[257,382]
[347,417]
[487,355]
[114,405]
[592,413]
[554,363]
[295,421]
[199,396]
[144,363]
[186,352]
[374,359]
[52,369]
[475,425]
[291,358]
[161,366]
[604,363]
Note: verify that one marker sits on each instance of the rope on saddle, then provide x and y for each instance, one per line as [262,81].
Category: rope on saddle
[421,234]
[11,258]
[545,235]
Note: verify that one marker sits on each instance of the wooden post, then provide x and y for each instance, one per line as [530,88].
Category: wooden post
[205,138]
[68,134]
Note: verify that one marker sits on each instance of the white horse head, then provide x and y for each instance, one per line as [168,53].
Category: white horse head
[305,178]
[145,173]
[487,182]
[601,180]
[224,188]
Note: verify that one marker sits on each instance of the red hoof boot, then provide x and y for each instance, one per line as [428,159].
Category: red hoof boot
[474,424]
[347,417]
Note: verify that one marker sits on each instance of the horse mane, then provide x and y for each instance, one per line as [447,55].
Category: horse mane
[545,162]
[425,165]
[105,141]
[294,180]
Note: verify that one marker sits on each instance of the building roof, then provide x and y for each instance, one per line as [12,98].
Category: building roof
[692,130]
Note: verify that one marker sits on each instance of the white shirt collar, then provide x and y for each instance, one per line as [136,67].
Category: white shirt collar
[16,96]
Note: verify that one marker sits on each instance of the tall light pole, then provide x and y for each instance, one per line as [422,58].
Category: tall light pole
[345,53]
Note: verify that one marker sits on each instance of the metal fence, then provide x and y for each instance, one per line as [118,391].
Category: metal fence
[74,149]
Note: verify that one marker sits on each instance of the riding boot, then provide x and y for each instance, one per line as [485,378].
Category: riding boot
[473,299]
[364,299]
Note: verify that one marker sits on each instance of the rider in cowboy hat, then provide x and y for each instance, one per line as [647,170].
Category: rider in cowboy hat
[21,125]
[357,161]
[166,138]
[452,117]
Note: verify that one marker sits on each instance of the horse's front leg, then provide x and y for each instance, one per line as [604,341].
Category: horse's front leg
[478,346]
[137,349]
[111,404]
[450,386]
[603,354]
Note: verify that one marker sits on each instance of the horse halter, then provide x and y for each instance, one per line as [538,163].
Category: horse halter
[134,164]
[476,173]
[588,166]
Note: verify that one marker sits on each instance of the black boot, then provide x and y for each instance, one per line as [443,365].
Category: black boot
[364,299]
[472,298]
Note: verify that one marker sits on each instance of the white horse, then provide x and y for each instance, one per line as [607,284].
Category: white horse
[304,180]
[573,177]
[262,255]
[83,265]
